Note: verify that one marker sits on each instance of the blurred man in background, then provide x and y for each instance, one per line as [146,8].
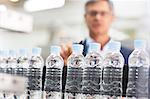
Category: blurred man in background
[99,16]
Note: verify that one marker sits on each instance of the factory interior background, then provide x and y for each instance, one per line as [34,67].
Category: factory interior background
[22,26]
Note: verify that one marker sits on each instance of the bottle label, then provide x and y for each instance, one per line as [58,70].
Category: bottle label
[53,79]
[35,95]
[53,95]
[11,83]
[73,96]
[34,77]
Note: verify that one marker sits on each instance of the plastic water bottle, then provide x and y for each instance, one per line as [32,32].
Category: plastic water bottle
[23,63]
[53,80]
[138,71]
[1,71]
[35,74]
[22,69]
[10,69]
[3,65]
[75,64]
[112,71]
[3,60]
[11,62]
[92,74]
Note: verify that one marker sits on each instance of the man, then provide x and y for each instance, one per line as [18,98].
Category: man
[99,16]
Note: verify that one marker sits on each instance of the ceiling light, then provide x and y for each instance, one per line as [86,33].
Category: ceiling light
[14,0]
[38,5]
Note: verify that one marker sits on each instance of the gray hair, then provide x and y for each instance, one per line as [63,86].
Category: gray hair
[89,2]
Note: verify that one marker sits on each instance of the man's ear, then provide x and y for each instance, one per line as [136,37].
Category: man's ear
[85,15]
[113,17]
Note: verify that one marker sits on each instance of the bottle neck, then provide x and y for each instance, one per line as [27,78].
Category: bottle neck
[24,55]
[113,50]
[140,49]
[74,52]
[94,50]
[36,55]
[56,54]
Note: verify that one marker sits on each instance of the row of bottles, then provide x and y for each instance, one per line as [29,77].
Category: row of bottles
[23,66]
[99,76]
[95,76]
[138,78]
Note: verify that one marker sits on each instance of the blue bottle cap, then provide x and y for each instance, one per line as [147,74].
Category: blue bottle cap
[4,53]
[114,46]
[23,51]
[77,48]
[36,51]
[139,44]
[55,50]
[94,47]
[12,53]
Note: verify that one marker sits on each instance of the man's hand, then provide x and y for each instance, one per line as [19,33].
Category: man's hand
[66,51]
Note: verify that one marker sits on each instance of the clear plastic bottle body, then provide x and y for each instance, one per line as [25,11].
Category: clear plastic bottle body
[35,76]
[11,65]
[10,69]
[138,74]
[23,66]
[3,65]
[53,79]
[22,71]
[92,76]
[73,88]
[112,74]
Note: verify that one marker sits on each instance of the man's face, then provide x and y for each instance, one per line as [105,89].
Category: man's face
[98,17]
